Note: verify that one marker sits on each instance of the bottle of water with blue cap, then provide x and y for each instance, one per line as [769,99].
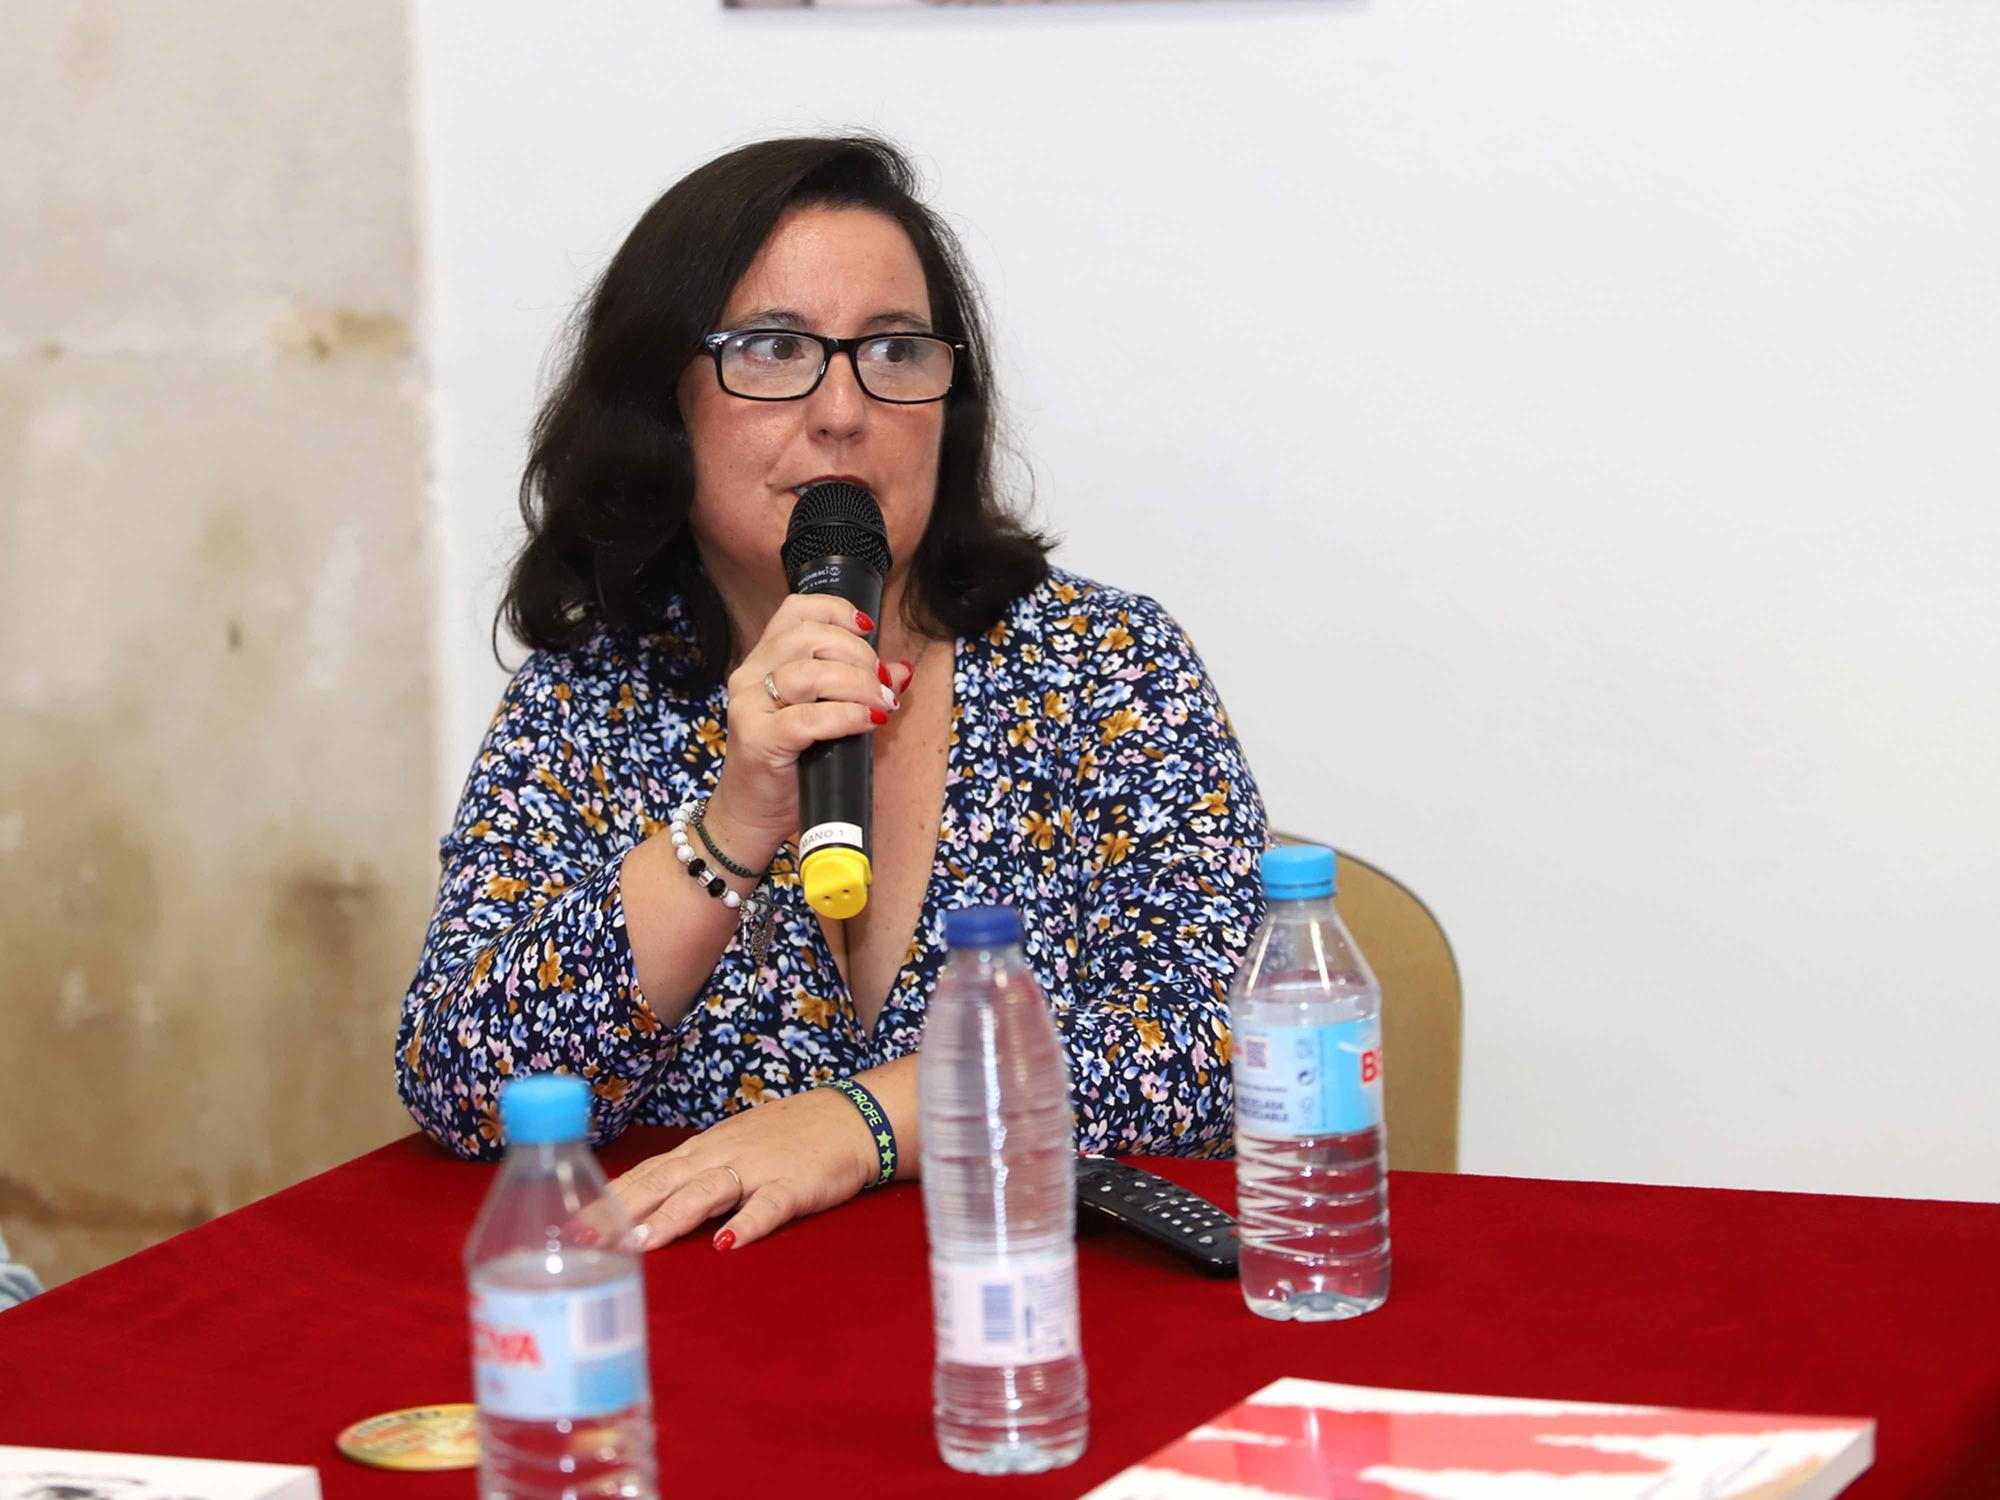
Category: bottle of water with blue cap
[558,1314]
[1305,1026]
[999,1180]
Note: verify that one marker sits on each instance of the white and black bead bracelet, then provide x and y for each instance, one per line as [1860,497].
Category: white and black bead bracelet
[715,885]
[757,913]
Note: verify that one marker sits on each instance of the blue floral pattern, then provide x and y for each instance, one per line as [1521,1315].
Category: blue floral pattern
[1093,782]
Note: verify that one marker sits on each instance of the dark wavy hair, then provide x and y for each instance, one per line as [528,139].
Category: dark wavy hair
[610,476]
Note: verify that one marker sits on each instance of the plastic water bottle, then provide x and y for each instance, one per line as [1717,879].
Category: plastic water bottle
[999,1181]
[558,1314]
[1305,1028]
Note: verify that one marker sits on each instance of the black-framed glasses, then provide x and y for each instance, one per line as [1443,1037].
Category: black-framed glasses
[784,364]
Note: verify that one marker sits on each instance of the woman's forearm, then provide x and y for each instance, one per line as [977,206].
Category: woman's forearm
[678,931]
[549,990]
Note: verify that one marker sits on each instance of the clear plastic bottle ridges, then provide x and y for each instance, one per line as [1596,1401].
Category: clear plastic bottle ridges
[999,1183]
[558,1314]
[1305,1023]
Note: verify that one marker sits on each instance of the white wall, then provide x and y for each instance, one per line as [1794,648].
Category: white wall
[1565,425]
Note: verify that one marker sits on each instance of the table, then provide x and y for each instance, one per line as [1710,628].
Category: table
[801,1364]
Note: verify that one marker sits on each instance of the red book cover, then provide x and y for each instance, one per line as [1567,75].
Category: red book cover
[1313,1440]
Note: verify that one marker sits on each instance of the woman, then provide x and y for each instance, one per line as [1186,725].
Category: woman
[1039,741]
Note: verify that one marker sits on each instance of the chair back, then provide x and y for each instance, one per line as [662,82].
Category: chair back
[1423,1018]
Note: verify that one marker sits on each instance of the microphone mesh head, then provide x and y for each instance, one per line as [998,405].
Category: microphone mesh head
[835,519]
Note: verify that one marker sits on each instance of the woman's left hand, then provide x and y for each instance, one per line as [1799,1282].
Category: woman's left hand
[764,1167]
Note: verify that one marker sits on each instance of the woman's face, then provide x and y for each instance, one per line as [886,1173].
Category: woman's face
[833,271]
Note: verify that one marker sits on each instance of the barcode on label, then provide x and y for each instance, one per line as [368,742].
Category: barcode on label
[1256,1053]
[996,1313]
[1014,1309]
[609,1320]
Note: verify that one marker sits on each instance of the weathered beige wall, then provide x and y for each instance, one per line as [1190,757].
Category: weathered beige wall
[216,822]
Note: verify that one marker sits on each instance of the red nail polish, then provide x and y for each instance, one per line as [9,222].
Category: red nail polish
[867,625]
[883,673]
[879,715]
[725,1239]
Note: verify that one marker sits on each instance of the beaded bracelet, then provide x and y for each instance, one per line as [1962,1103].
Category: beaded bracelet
[759,909]
[714,849]
[877,1120]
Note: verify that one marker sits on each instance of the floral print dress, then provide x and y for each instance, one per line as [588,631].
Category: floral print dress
[1093,783]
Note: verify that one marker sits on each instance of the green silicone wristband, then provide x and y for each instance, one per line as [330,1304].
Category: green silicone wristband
[878,1121]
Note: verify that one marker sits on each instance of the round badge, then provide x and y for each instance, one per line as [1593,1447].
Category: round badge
[418,1437]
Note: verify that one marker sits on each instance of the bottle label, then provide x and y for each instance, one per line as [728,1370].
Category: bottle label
[1014,1310]
[1309,1080]
[566,1352]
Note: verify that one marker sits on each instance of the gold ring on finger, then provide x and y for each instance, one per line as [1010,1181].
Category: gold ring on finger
[739,1186]
[771,688]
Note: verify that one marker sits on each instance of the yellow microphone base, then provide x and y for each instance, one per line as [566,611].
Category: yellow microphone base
[836,880]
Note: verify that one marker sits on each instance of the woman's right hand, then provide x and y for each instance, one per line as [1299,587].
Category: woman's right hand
[816,653]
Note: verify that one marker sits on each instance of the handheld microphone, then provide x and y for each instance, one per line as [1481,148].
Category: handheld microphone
[836,544]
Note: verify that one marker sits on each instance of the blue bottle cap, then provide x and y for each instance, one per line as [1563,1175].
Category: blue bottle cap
[544,1107]
[1298,872]
[982,927]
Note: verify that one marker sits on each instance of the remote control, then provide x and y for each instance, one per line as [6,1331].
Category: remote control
[1165,1212]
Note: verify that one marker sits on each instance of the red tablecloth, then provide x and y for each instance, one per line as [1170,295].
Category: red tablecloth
[801,1365]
